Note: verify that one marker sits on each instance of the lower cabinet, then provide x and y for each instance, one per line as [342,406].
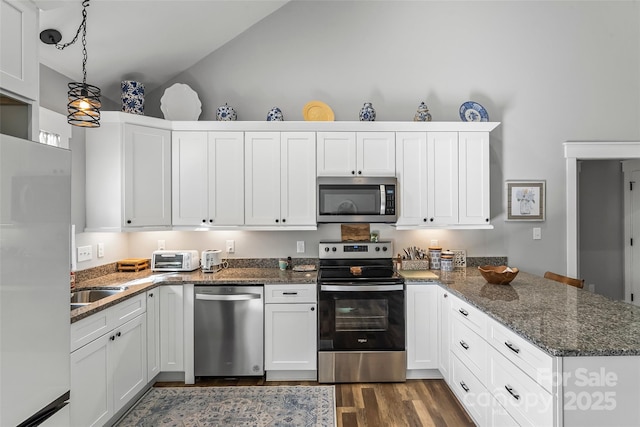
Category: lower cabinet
[109,371]
[290,332]
[171,328]
[422,330]
[153,333]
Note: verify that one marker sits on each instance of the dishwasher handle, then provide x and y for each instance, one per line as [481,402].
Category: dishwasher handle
[231,297]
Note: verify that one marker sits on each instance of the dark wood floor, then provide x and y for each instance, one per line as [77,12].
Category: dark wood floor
[413,403]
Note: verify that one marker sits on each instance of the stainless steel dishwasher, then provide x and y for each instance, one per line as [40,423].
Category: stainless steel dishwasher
[229,331]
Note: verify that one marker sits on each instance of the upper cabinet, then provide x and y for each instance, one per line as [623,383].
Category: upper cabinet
[128,183]
[356,154]
[208,179]
[443,178]
[280,179]
[18,49]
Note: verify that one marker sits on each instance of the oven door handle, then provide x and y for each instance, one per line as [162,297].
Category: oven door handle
[378,287]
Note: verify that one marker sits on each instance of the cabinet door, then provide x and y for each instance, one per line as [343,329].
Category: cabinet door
[171,328]
[262,178]
[442,159]
[336,153]
[411,171]
[422,327]
[226,178]
[298,178]
[189,178]
[473,205]
[376,153]
[290,337]
[153,333]
[91,384]
[147,176]
[444,325]
[18,48]
[128,360]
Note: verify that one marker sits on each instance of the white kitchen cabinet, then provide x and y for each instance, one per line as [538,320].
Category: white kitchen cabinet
[356,153]
[153,333]
[207,178]
[108,368]
[19,72]
[128,183]
[444,328]
[171,328]
[422,330]
[280,179]
[290,332]
[443,178]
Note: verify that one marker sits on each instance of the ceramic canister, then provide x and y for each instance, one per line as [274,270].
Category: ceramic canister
[434,258]
[367,113]
[132,96]
[446,261]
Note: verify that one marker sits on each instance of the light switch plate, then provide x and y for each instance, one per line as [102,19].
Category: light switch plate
[85,253]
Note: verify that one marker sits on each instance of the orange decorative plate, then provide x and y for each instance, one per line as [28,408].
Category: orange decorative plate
[317,111]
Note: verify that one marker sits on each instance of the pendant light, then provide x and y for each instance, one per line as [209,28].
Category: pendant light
[84,99]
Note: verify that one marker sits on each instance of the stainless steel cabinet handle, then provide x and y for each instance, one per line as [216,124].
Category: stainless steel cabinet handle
[289,293]
[464,386]
[512,347]
[237,297]
[464,345]
[512,392]
[463,312]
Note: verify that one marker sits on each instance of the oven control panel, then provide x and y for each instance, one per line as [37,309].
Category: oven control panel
[341,250]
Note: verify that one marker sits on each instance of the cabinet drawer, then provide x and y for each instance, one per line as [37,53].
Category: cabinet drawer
[469,347]
[470,315]
[88,329]
[524,399]
[470,391]
[128,309]
[530,359]
[297,293]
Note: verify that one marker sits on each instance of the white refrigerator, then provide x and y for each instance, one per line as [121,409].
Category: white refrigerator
[35,217]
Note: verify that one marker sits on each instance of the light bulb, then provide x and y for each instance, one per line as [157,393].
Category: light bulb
[84,105]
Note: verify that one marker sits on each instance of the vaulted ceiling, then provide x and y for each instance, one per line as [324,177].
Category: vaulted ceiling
[146,40]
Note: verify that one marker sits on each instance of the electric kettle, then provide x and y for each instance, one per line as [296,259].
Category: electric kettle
[210,260]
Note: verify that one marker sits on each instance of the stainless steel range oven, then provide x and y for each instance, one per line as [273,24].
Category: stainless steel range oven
[361,332]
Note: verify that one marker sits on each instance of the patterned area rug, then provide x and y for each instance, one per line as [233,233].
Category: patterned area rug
[281,406]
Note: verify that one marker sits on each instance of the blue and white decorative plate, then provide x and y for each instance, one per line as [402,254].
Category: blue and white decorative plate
[473,112]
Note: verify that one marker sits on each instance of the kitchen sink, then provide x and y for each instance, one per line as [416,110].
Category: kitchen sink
[92,295]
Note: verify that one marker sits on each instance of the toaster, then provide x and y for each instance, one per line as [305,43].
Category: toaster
[184,260]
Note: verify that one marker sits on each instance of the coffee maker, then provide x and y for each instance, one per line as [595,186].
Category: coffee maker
[211,261]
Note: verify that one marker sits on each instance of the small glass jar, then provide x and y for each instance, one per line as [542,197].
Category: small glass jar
[434,258]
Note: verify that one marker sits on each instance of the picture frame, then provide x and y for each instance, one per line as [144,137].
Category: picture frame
[526,200]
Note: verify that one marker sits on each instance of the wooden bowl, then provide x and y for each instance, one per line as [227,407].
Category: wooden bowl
[498,275]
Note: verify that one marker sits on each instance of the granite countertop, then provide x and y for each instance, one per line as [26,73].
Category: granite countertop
[561,320]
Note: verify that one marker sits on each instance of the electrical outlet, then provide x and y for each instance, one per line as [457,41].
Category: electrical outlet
[591,287]
[434,244]
[85,253]
[161,245]
[100,250]
[537,233]
[300,246]
[231,246]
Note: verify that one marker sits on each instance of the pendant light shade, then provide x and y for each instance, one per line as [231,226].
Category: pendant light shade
[84,105]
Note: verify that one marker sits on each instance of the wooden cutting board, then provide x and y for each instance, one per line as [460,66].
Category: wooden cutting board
[418,274]
[355,232]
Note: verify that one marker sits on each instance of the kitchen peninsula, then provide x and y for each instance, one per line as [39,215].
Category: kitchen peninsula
[577,354]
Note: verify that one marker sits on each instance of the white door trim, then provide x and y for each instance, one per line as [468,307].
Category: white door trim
[587,150]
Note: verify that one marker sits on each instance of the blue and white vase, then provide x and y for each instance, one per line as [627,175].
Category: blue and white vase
[132,96]
[422,115]
[226,113]
[367,113]
[275,115]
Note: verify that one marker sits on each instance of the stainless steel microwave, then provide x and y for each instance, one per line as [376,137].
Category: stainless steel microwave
[357,199]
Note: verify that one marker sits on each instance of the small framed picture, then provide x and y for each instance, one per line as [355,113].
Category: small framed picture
[525,200]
